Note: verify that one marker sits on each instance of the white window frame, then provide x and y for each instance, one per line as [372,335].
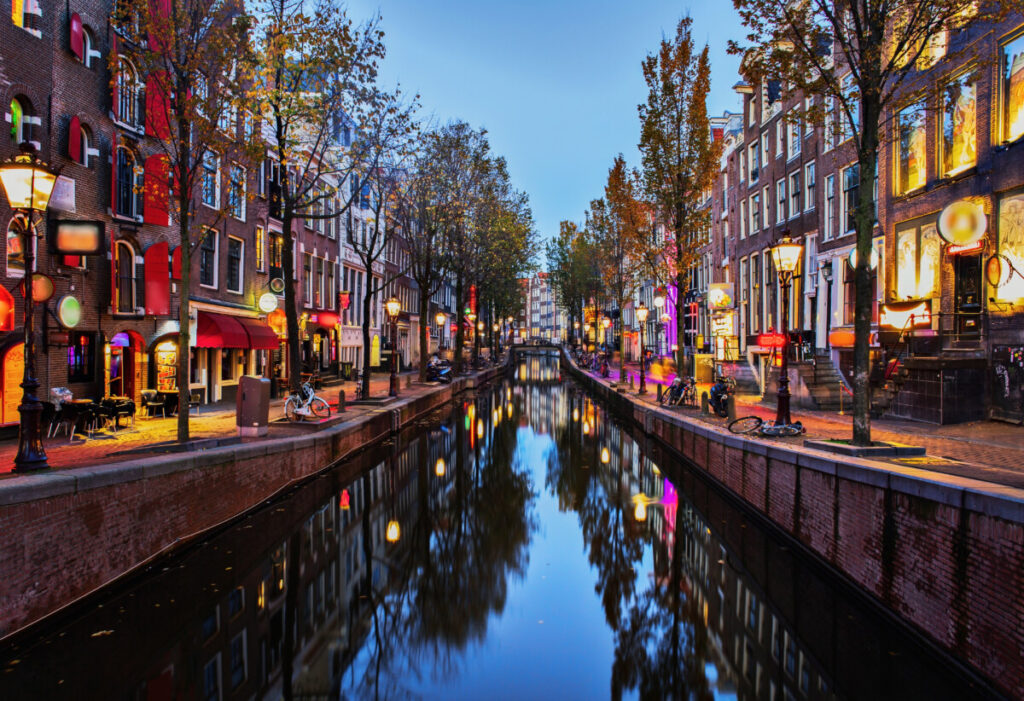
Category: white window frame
[766,201]
[779,138]
[829,224]
[216,180]
[809,196]
[795,141]
[795,194]
[743,219]
[215,235]
[781,200]
[241,267]
[245,189]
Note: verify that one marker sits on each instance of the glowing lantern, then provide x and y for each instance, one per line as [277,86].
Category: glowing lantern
[575,414]
[640,511]
[345,501]
[586,428]
[393,532]
[479,428]
[439,467]
[605,456]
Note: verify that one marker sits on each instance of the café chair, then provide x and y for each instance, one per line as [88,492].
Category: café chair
[152,402]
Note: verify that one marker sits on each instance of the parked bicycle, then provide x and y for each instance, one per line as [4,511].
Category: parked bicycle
[751,425]
[682,391]
[305,403]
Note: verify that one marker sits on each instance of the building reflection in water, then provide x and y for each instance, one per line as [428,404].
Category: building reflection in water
[377,577]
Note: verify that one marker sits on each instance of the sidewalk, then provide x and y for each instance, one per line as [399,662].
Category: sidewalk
[211,421]
[990,451]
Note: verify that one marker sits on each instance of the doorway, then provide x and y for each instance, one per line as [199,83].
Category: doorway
[968,295]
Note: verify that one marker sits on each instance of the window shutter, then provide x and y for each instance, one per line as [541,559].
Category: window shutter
[158,283]
[156,106]
[75,38]
[140,283]
[155,205]
[75,140]
[176,264]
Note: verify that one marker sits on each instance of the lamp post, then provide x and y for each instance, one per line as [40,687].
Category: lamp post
[441,319]
[28,183]
[606,322]
[826,272]
[641,316]
[785,256]
[392,307]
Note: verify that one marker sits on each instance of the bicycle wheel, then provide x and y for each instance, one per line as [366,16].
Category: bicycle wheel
[289,410]
[320,408]
[782,430]
[746,424]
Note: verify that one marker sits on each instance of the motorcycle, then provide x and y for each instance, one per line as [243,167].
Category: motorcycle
[439,372]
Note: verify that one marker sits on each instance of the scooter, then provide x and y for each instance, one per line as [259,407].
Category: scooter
[439,372]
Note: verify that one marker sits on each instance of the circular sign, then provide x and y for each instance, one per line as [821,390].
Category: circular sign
[998,270]
[277,285]
[872,262]
[268,302]
[962,223]
[69,311]
[42,287]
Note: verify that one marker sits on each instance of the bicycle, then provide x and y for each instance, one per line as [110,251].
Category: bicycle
[305,403]
[750,425]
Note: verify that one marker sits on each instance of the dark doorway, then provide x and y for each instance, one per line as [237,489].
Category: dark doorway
[968,295]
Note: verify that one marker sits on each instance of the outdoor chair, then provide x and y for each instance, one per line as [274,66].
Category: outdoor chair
[152,402]
[48,417]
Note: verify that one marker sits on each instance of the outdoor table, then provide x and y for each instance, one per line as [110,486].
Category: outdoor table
[79,410]
[170,397]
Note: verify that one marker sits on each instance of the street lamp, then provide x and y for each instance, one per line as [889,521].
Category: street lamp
[393,532]
[28,183]
[606,322]
[393,306]
[785,256]
[641,316]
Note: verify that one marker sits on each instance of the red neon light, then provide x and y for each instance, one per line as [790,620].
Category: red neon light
[771,340]
[344,501]
[956,249]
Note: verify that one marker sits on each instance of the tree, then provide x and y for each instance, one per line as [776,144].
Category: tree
[193,55]
[861,57]
[315,84]
[680,159]
[570,271]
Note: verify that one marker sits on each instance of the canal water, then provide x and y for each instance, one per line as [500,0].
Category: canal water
[518,544]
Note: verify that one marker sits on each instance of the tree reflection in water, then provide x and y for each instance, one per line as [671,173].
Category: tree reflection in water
[452,568]
[660,649]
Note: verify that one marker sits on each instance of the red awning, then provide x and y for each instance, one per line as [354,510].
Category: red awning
[220,331]
[261,336]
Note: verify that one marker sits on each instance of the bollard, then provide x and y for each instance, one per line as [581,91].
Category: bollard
[705,404]
[730,407]
[841,398]
[659,393]
[341,402]
[631,381]
[408,381]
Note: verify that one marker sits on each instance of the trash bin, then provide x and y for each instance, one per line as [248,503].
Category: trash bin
[252,405]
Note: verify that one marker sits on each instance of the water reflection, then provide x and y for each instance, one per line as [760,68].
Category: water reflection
[520,543]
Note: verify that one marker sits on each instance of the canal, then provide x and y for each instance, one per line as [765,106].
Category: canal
[519,543]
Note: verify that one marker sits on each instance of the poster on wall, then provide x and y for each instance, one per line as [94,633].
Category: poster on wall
[913,147]
[14,369]
[1011,245]
[959,125]
[1013,89]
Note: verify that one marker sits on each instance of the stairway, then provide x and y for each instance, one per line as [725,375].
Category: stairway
[823,382]
[884,389]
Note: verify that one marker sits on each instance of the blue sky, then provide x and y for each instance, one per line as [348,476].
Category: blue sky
[556,83]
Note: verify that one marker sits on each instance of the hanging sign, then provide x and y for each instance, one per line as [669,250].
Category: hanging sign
[962,223]
[900,315]
[277,285]
[771,340]
[720,295]
[42,287]
[69,311]
[77,238]
[268,302]
[344,299]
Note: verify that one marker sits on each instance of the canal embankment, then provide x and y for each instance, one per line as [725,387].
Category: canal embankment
[72,531]
[944,553]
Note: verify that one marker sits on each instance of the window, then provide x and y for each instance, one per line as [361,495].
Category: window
[85,147]
[276,254]
[235,250]
[208,259]
[780,139]
[1011,245]
[753,163]
[959,124]
[1012,89]
[810,184]
[851,98]
[211,181]
[912,148]
[307,277]
[331,292]
[236,601]
[755,214]
[851,197]
[794,194]
[211,679]
[81,357]
[765,153]
[236,192]
[744,293]
[742,166]
[828,135]
[238,660]
[27,15]
[21,120]
[129,94]
[918,253]
[795,141]
[780,200]
[318,290]
[743,219]
[129,184]
[755,293]
[830,207]
[261,249]
[124,272]
[766,202]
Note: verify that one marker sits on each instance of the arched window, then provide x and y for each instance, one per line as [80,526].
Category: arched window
[128,184]
[129,94]
[89,52]
[15,249]
[124,273]
[85,138]
[22,119]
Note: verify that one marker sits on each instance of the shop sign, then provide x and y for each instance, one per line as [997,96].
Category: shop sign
[268,302]
[62,199]
[277,285]
[959,249]
[906,315]
[723,324]
[962,223]
[77,238]
[771,340]
[42,287]
[721,295]
[344,300]
[69,311]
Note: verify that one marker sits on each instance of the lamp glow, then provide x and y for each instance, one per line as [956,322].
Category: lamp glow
[394,532]
[641,313]
[441,318]
[640,511]
[605,456]
[393,306]
[439,467]
[27,181]
[786,255]
[659,299]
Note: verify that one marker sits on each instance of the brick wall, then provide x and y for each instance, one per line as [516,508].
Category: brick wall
[945,554]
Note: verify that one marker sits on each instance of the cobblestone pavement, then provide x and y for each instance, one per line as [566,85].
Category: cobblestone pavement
[991,451]
[216,421]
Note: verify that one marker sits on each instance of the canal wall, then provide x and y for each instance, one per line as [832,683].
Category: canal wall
[946,554]
[67,533]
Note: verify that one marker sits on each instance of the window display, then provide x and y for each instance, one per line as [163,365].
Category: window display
[959,125]
[913,148]
[1011,246]
[918,256]
[1013,89]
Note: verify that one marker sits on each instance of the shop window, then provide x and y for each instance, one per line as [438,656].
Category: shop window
[1010,287]
[918,253]
[912,147]
[227,364]
[129,189]
[959,124]
[195,365]
[166,357]
[208,259]
[15,252]
[235,277]
[1012,89]
[129,94]
[82,357]
[126,292]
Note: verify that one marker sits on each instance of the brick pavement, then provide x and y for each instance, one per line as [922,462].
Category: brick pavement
[990,451]
[212,421]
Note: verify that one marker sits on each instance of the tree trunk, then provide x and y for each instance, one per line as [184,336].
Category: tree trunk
[425,324]
[460,334]
[867,160]
[364,391]
[184,354]
[291,307]
[622,343]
